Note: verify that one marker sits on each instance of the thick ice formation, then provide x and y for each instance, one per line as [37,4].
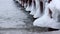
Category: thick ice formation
[46,21]
[55,11]
[57,4]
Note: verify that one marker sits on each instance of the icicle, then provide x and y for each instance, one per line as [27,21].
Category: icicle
[33,9]
[25,5]
[38,11]
[20,2]
[28,8]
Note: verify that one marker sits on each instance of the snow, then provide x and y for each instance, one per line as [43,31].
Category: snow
[11,24]
[10,15]
[17,32]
